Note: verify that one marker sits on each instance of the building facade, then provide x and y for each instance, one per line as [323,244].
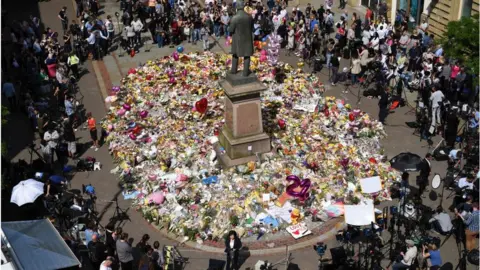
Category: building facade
[437,12]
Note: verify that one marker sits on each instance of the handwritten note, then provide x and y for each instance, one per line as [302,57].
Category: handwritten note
[298,230]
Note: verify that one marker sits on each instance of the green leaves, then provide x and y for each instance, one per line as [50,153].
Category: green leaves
[461,42]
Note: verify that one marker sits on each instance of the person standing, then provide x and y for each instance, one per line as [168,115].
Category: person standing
[422,178]
[232,248]
[124,252]
[157,255]
[205,34]
[62,15]
[472,226]
[97,252]
[92,127]
[138,27]
[72,62]
[9,91]
[69,137]
[335,64]
[383,106]
[436,98]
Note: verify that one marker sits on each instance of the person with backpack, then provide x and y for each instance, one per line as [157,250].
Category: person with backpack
[97,252]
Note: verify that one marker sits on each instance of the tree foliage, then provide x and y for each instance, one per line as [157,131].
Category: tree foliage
[461,42]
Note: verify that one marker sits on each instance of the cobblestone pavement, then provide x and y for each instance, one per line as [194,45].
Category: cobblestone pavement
[100,76]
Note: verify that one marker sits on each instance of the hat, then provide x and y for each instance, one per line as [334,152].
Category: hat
[410,242]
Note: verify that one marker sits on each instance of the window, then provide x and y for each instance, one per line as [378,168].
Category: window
[467,8]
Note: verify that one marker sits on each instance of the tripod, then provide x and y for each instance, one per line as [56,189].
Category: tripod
[119,214]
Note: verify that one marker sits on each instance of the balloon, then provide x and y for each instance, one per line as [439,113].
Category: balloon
[143,114]
[264,44]
[351,117]
[344,162]
[255,43]
[157,197]
[264,38]
[263,58]
[281,123]
[132,53]
[304,184]
[180,49]
[175,56]
[132,136]
[263,52]
[121,112]
[127,107]
[201,105]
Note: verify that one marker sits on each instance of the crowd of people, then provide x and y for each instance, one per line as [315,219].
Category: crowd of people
[41,71]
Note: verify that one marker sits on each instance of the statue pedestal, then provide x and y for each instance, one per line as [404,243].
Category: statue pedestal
[242,135]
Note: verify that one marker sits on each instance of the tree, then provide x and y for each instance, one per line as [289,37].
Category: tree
[461,42]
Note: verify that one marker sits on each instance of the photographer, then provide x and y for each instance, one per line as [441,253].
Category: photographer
[432,253]
[408,257]
[472,227]
[441,222]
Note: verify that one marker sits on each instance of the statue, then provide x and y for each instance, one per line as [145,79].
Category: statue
[241,28]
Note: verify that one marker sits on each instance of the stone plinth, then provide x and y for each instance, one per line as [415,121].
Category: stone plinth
[242,135]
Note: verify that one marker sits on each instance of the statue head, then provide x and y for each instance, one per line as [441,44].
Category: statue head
[240,5]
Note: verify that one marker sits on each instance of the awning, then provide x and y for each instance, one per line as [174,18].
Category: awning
[36,244]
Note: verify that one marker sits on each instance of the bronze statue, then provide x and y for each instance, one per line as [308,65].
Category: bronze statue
[241,28]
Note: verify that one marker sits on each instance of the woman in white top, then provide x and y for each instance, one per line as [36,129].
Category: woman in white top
[356,68]
[232,248]
[366,36]
[375,41]
[130,32]
[291,38]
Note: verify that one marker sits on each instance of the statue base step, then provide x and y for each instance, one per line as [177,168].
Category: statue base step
[241,150]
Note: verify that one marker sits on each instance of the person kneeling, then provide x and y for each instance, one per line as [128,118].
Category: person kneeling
[441,222]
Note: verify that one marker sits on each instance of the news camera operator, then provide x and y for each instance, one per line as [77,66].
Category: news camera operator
[408,257]
[471,226]
[441,221]
[431,253]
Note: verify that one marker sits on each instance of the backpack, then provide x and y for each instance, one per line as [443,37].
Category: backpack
[92,252]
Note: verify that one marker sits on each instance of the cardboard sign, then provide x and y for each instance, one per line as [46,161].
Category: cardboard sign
[298,230]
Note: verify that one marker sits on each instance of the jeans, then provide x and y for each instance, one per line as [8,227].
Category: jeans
[196,35]
[354,78]
[400,265]
[216,30]
[382,115]
[333,77]
[159,40]
[225,30]
[329,57]
[138,37]
[206,44]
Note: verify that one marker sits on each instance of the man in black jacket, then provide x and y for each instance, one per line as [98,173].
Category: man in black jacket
[383,106]
[422,179]
[97,251]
